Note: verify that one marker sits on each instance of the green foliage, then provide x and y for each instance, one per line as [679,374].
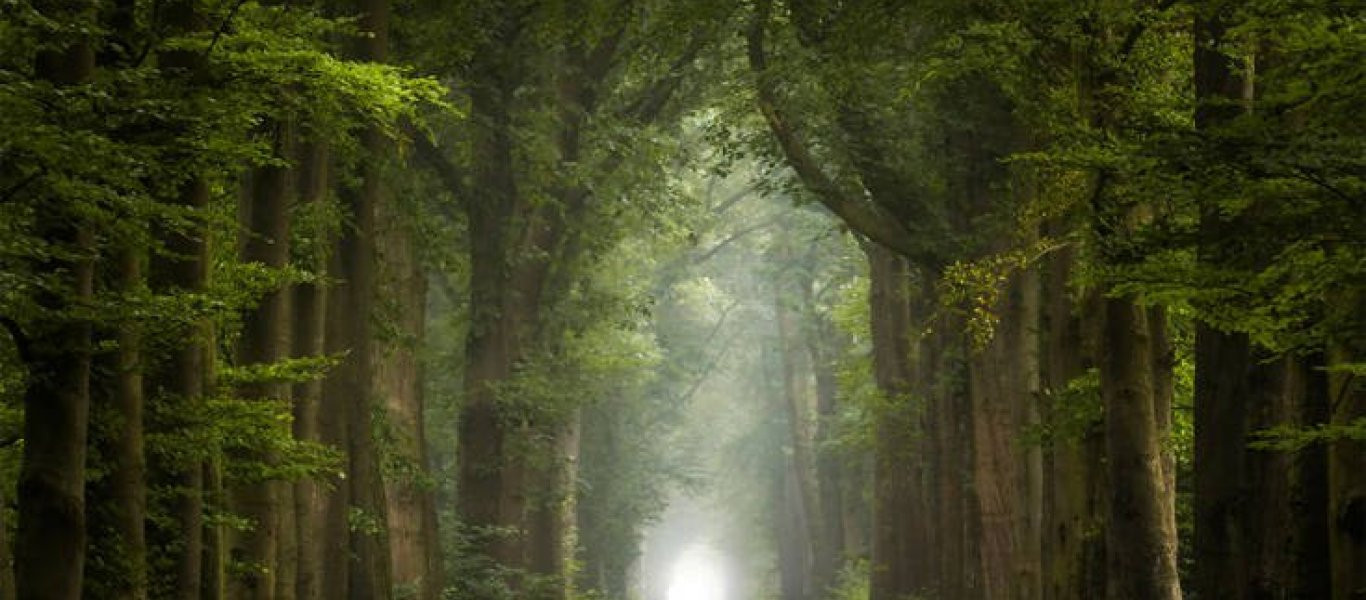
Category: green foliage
[255,434]
[289,370]
[1289,438]
[859,397]
[974,288]
[114,155]
[473,574]
[1074,412]
[853,583]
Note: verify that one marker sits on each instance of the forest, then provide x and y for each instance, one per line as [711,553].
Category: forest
[682,299]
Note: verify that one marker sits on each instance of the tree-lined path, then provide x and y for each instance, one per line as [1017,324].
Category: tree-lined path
[682,300]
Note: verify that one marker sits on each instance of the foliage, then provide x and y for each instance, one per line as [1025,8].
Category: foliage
[1289,438]
[853,582]
[1074,412]
[114,156]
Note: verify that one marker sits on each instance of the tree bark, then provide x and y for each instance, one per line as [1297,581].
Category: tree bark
[308,340]
[1164,365]
[550,518]
[1251,538]
[127,485]
[334,428]
[822,343]
[1347,457]
[1074,520]
[1309,498]
[185,378]
[942,375]
[797,404]
[369,576]
[49,555]
[411,507]
[794,553]
[1140,549]
[118,500]
[1224,371]
[1003,386]
[265,340]
[497,324]
[899,554]
[7,591]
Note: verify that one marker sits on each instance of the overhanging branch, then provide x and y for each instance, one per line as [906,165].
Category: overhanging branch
[860,215]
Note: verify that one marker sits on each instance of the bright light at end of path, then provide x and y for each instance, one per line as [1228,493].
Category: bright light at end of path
[697,576]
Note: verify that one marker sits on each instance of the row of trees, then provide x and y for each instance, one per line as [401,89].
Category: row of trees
[216,225]
[195,226]
[1074,207]
[1088,234]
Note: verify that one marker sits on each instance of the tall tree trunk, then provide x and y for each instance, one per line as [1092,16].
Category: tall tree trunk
[118,500]
[1251,539]
[831,478]
[128,471]
[1309,500]
[370,576]
[796,395]
[411,507]
[550,520]
[1140,549]
[185,378]
[1225,368]
[1226,533]
[1003,387]
[216,558]
[899,554]
[1347,457]
[498,320]
[1074,551]
[794,557]
[308,340]
[941,373]
[265,340]
[50,541]
[7,591]
[1164,372]
[334,428]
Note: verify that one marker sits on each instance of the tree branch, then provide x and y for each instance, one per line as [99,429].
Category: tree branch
[732,238]
[716,359]
[860,215]
[23,183]
[725,205]
[223,27]
[21,341]
[448,172]
[652,100]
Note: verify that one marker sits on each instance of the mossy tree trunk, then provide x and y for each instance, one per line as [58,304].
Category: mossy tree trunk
[308,340]
[411,506]
[900,554]
[1074,518]
[50,540]
[1347,457]
[184,379]
[266,329]
[1140,547]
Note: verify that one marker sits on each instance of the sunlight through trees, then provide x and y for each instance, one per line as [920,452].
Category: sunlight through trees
[682,300]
